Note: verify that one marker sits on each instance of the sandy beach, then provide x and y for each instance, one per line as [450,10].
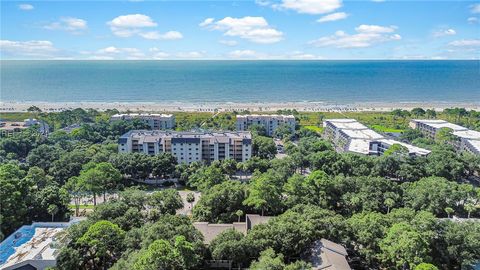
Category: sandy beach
[230,106]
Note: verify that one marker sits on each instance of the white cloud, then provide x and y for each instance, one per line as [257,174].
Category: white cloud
[333,17]
[472,20]
[465,43]
[444,32]
[32,48]
[132,21]
[206,22]
[243,54]
[262,3]
[310,6]
[158,54]
[230,43]
[113,52]
[475,8]
[134,24]
[366,36]
[70,24]
[190,55]
[154,35]
[25,7]
[254,29]
[298,55]
[129,25]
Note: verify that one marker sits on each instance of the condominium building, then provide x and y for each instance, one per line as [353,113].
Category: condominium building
[270,121]
[155,121]
[348,135]
[189,147]
[466,139]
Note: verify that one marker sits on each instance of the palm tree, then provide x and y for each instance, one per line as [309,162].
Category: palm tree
[52,210]
[449,211]
[190,199]
[239,214]
[469,207]
[389,202]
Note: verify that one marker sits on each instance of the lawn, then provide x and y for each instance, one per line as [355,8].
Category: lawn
[314,128]
[381,128]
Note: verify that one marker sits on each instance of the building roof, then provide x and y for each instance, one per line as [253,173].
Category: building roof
[281,116]
[411,148]
[157,135]
[31,243]
[133,115]
[360,146]
[468,134]
[362,134]
[350,124]
[210,230]
[326,254]
[437,124]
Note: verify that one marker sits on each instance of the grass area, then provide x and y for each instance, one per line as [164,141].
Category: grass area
[314,128]
[82,206]
[15,116]
[386,129]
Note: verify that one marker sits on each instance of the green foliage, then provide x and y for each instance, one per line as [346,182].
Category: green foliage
[263,147]
[166,201]
[220,203]
[102,244]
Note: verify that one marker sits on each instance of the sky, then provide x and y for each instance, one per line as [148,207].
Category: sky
[261,29]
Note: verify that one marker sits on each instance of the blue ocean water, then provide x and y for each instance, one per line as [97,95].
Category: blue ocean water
[241,81]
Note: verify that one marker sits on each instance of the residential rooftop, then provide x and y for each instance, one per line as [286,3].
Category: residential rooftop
[31,244]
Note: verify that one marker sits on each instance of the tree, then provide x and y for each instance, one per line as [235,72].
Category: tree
[396,149]
[191,199]
[449,211]
[283,131]
[389,202]
[461,242]
[15,195]
[426,266]
[163,165]
[264,147]
[162,255]
[166,201]
[403,245]
[230,245]
[220,203]
[418,112]
[469,207]
[206,177]
[265,193]
[76,188]
[268,260]
[52,210]
[239,214]
[101,245]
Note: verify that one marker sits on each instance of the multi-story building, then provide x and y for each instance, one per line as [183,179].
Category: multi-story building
[188,147]
[270,121]
[465,139]
[348,135]
[155,121]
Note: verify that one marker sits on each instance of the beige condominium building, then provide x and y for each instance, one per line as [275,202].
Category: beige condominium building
[270,121]
[466,139]
[188,147]
[348,135]
[155,121]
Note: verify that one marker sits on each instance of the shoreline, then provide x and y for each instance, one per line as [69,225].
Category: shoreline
[22,106]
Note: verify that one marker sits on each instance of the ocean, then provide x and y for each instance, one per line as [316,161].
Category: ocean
[240,81]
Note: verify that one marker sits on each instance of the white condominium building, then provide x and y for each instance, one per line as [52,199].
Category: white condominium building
[466,139]
[348,135]
[155,121]
[270,121]
[188,147]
